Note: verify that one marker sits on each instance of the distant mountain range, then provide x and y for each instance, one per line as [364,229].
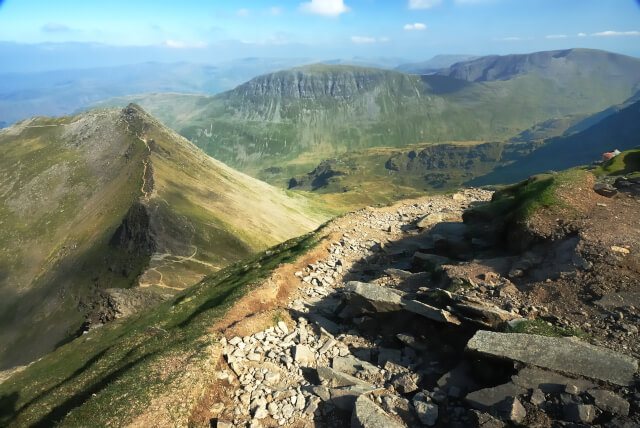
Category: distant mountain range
[434,64]
[112,198]
[283,124]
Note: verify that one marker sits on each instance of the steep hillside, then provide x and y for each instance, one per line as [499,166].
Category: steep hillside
[283,124]
[619,129]
[112,198]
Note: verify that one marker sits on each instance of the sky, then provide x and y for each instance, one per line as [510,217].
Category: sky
[412,29]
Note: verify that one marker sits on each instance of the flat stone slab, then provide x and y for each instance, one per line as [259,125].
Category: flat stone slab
[548,382]
[334,379]
[559,354]
[373,298]
[430,312]
[367,415]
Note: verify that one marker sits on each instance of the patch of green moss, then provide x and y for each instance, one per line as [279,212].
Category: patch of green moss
[543,328]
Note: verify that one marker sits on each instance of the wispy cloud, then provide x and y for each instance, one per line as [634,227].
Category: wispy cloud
[175,44]
[363,40]
[417,26]
[243,13]
[616,33]
[325,7]
[510,39]
[423,4]
[275,11]
[582,34]
[54,27]
[556,36]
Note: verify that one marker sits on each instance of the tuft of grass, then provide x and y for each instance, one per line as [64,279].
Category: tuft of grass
[542,328]
[520,201]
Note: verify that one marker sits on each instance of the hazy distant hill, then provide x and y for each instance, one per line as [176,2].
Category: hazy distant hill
[62,92]
[436,63]
[112,198]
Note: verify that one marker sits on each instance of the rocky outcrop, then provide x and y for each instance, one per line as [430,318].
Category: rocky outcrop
[563,355]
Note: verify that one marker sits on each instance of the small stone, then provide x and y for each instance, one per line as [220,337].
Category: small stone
[571,389]
[303,355]
[427,412]
[216,408]
[283,327]
[272,378]
[580,413]
[537,397]
[260,412]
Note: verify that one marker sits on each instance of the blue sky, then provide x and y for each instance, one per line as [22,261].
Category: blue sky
[414,29]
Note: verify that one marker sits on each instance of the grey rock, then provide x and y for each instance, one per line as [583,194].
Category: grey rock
[406,383]
[352,365]
[303,355]
[489,399]
[537,397]
[560,354]
[366,414]
[485,420]
[511,410]
[344,397]
[223,424]
[581,413]
[260,412]
[334,378]
[611,402]
[460,378]
[372,298]
[427,412]
[489,316]
[620,300]
[429,262]
[548,382]
[430,312]
[431,219]
[605,189]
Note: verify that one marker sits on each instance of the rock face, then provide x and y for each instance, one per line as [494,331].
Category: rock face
[563,355]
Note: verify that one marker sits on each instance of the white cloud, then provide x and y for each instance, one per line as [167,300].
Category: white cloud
[275,11]
[243,12]
[416,26]
[325,7]
[423,4]
[556,36]
[582,34]
[510,39]
[175,44]
[616,33]
[54,27]
[363,40]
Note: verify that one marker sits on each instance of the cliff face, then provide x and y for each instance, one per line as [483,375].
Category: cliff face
[313,82]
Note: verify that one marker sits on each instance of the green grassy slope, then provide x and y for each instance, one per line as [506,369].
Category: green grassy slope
[112,198]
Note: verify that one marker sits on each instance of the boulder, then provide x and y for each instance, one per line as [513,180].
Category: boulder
[548,382]
[366,297]
[500,401]
[433,218]
[489,316]
[366,414]
[580,413]
[430,312]
[427,412]
[352,365]
[605,189]
[429,262]
[611,402]
[334,378]
[303,355]
[560,354]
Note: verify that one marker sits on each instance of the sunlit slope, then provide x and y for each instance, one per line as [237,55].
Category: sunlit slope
[112,198]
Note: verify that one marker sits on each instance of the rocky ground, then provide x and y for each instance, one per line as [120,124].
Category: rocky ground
[404,320]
